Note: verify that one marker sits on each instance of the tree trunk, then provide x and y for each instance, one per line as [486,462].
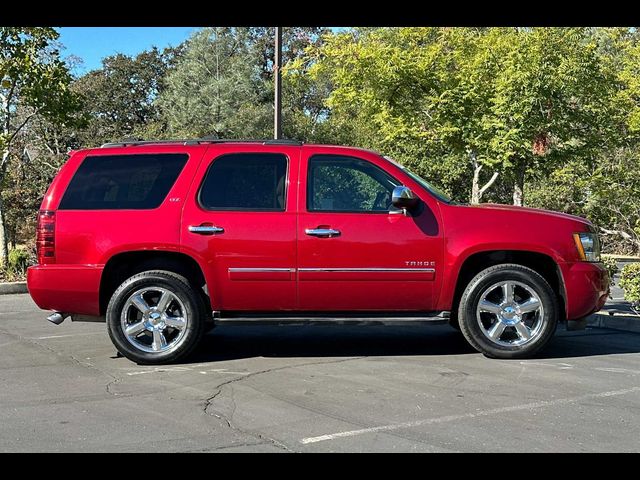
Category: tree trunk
[475,186]
[518,185]
[518,195]
[4,250]
[476,190]
[10,233]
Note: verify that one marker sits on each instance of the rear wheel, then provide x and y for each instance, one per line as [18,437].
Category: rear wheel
[155,317]
[508,311]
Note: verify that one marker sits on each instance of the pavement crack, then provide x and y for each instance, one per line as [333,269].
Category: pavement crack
[111,384]
[224,447]
[208,403]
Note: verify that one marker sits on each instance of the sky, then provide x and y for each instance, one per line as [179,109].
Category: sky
[92,44]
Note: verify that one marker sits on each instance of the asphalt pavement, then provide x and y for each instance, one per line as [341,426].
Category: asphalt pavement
[313,389]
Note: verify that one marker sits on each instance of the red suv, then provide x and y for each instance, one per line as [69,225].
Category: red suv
[164,240]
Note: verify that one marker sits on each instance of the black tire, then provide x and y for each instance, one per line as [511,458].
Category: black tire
[470,325]
[194,315]
[453,321]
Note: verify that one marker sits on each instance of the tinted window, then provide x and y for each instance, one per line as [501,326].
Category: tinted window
[245,181]
[122,182]
[346,184]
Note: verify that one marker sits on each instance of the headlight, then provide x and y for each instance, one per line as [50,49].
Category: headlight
[588,246]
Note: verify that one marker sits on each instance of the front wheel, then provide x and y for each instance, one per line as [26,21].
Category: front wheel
[155,317]
[508,311]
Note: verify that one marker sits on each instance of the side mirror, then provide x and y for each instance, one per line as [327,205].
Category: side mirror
[403,197]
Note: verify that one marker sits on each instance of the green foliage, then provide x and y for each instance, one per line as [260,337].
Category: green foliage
[605,190]
[18,260]
[28,180]
[223,85]
[630,282]
[215,89]
[32,73]
[611,265]
[440,99]
[120,98]
[34,84]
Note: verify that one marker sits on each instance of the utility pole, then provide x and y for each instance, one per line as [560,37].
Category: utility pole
[277,123]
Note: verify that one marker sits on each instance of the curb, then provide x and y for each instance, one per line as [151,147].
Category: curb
[13,287]
[624,259]
[615,322]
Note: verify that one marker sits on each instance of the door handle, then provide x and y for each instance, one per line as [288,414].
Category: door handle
[322,232]
[205,229]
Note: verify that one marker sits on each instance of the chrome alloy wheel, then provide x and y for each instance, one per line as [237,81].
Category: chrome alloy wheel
[510,313]
[154,320]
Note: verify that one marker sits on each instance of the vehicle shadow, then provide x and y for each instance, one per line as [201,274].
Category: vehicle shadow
[590,342]
[238,342]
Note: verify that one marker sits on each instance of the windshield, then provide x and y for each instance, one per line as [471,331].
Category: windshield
[435,191]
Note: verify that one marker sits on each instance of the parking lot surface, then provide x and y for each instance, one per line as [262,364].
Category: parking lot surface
[313,388]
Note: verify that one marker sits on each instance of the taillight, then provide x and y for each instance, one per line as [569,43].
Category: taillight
[45,237]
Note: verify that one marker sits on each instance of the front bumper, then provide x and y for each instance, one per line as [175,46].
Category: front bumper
[66,288]
[587,288]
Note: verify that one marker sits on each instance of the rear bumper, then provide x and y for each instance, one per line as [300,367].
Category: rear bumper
[587,288]
[66,288]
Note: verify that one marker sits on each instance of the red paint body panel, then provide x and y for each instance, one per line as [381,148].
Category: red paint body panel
[65,288]
[587,287]
[264,261]
[271,275]
[257,240]
[379,244]
[474,229]
[86,239]
[94,236]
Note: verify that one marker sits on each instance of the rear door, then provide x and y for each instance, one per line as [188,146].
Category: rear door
[239,221]
[354,251]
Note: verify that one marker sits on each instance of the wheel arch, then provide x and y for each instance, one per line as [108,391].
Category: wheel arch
[542,263]
[126,264]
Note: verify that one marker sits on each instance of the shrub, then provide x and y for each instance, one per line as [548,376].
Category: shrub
[611,265]
[18,260]
[630,283]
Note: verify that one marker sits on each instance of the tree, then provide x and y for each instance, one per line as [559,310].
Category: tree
[29,179]
[605,185]
[605,191]
[119,98]
[260,43]
[216,89]
[34,82]
[421,94]
[474,103]
[303,98]
[552,102]
[223,85]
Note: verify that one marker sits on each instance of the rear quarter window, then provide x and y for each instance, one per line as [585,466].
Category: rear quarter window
[137,182]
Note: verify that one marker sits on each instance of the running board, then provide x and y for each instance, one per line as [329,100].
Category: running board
[338,318]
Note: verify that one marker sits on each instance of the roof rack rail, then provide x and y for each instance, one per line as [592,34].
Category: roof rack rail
[197,141]
[282,141]
[126,143]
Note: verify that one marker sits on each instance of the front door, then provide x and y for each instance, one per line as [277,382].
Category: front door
[240,223]
[354,251]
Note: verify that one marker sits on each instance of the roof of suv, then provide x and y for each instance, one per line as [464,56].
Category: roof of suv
[150,145]
[197,141]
